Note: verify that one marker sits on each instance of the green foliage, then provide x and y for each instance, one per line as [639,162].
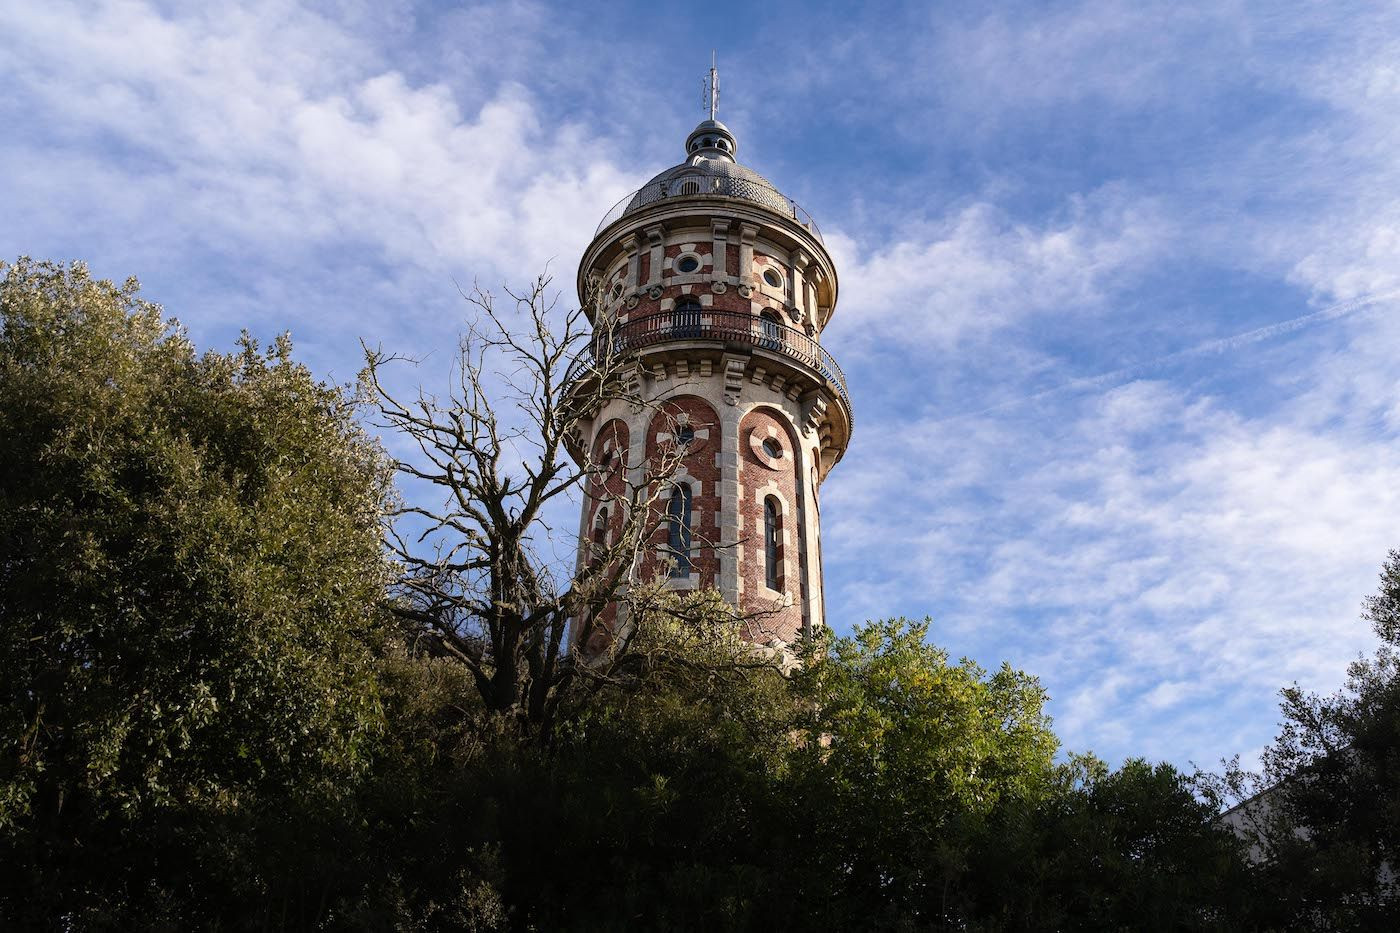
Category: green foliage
[930,800]
[906,758]
[190,562]
[207,721]
[896,710]
[1134,849]
[1327,824]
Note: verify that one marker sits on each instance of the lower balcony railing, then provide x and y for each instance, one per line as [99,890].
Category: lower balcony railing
[731,327]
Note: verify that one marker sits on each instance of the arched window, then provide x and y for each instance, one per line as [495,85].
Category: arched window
[690,186]
[685,319]
[678,516]
[600,534]
[772,528]
[772,330]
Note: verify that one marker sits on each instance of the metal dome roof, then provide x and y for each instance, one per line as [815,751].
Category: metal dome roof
[702,174]
[710,170]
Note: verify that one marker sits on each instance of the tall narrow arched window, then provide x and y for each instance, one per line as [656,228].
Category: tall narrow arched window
[678,517]
[685,319]
[772,529]
[600,534]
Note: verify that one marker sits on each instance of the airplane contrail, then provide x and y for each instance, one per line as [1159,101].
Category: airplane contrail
[1220,345]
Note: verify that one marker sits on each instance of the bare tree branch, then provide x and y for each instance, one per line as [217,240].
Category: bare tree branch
[472,579]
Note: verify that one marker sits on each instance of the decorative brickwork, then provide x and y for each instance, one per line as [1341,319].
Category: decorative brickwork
[765,408]
[777,613]
[697,421]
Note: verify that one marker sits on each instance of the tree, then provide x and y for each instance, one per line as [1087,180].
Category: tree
[505,444]
[1138,848]
[190,573]
[905,760]
[1324,818]
[209,717]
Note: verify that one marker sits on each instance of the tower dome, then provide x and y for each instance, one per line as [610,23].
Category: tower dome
[710,169]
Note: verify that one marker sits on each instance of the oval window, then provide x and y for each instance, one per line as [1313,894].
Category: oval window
[688,264]
[773,278]
[772,448]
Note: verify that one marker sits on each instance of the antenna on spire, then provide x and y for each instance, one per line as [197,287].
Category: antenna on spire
[714,86]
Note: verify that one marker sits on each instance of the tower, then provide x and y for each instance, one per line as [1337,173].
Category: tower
[721,286]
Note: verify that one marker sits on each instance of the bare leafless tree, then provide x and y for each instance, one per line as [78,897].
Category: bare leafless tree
[511,437]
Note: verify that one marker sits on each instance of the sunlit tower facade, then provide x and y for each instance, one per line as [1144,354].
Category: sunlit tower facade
[722,286]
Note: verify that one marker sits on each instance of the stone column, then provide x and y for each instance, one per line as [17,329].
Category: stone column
[800,262]
[656,239]
[730,460]
[630,245]
[747,234]
[719,230]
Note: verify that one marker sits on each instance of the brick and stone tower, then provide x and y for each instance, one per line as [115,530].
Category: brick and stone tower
[722,286]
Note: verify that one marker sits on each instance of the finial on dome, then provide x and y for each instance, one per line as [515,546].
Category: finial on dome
[714,87]
[711,139]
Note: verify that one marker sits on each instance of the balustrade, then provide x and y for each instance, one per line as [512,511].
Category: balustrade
[730,327]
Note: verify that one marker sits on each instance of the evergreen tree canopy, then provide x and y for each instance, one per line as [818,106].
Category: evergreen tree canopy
[190,564]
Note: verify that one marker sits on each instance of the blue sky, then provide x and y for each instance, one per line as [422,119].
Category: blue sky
[1118,280]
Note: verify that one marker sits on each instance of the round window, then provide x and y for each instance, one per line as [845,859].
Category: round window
[772,448]
[685,435]
[688,264]
[772,277]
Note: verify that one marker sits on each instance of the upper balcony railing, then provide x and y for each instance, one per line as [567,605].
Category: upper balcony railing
[690,186]
[728,327]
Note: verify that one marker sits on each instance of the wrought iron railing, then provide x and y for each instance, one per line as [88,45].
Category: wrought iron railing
[691,186]
[730,327]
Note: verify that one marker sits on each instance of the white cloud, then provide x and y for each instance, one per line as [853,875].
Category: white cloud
[1135,539]
[273,126]
[1165,553]
[979,269]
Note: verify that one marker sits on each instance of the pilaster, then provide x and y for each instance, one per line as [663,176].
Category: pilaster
[656,240]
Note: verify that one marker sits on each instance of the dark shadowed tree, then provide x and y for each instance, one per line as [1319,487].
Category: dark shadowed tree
[1139,848]
[190,565]
[1325,825]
